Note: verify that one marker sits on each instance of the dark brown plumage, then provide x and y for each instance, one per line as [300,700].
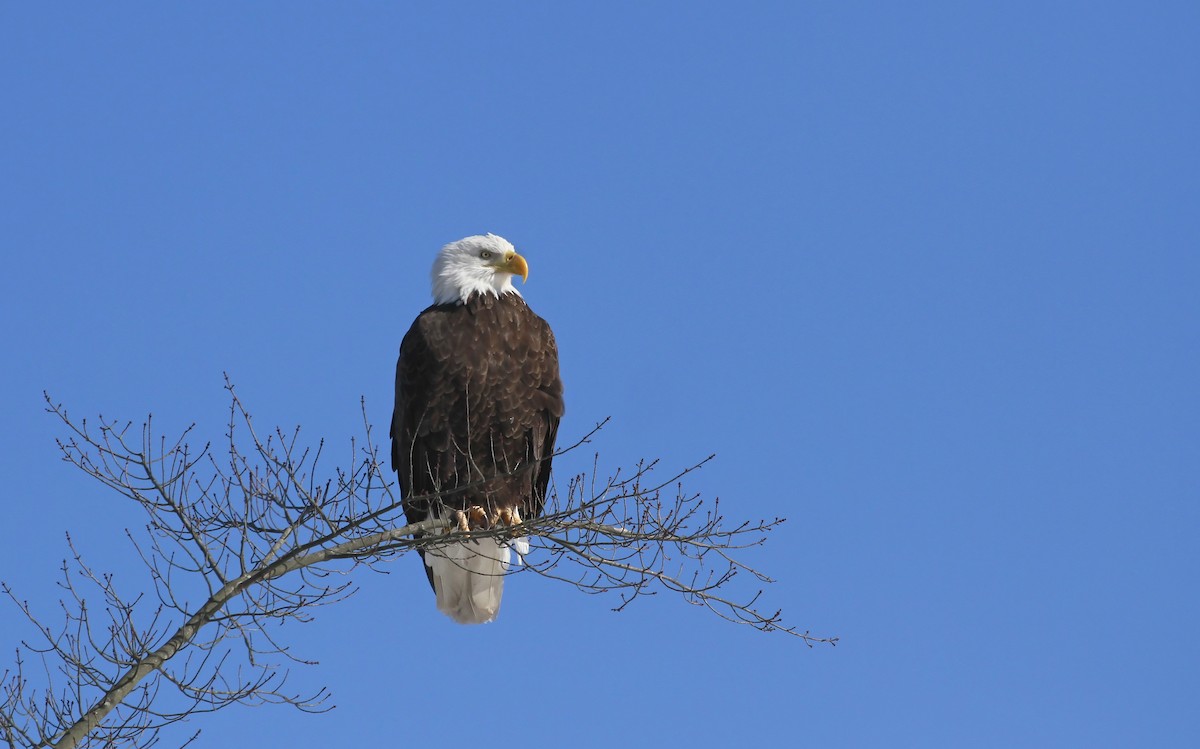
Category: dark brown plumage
[478,402]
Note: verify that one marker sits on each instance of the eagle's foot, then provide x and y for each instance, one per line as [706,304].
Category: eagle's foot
[459,519]
[509,516]
[472,518]
[477,518]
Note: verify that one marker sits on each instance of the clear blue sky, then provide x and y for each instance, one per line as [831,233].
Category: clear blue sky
[925,276]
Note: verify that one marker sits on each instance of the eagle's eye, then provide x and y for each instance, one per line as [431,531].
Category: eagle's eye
[485,254]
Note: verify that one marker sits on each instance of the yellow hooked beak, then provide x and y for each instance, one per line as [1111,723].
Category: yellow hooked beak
[516,265]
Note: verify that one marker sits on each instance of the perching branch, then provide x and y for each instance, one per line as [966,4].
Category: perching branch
[260,534]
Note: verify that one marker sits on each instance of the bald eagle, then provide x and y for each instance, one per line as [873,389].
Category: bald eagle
[478,401]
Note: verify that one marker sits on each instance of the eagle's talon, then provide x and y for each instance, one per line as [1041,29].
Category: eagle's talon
[459,519]
[479,519]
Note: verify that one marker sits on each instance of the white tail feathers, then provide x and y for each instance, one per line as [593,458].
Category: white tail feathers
[469,577]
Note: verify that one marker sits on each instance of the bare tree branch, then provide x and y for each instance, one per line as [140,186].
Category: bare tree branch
[265,535]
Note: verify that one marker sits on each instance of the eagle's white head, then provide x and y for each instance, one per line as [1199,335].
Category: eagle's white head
[484,263]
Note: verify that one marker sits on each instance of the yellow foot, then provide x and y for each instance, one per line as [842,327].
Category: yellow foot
[459,518]
[478,518]
[509,516]
[471,518]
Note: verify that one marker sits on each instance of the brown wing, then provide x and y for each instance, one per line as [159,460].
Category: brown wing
[478,402]
[537,393]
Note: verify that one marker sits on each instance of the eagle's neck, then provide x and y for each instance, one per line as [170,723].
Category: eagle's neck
[455,284]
